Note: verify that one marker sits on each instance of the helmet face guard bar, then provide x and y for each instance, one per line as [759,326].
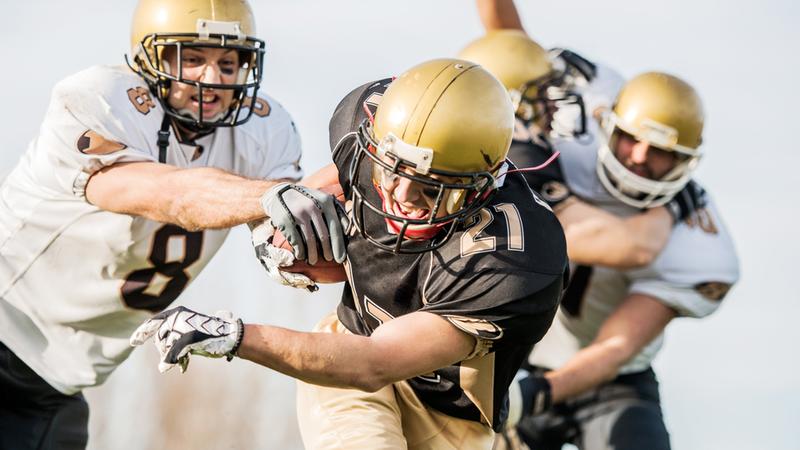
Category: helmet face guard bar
[476,193]
[527,104]
[633,189]
[245,89]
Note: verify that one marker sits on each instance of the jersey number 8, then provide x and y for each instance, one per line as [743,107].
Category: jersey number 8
[135,289]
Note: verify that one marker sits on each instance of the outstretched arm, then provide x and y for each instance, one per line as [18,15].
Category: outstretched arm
[499,14]
[202,198]
[636,322]
[194,199]
[404,347]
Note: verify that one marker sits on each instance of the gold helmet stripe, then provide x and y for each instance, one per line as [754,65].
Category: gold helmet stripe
[427,103]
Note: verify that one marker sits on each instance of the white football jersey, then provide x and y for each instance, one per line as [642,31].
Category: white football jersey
[76,280]
[691,275]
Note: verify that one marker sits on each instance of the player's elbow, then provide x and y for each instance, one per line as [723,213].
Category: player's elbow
[375,373]
[369,385]
[179,212]
[640,256]
[373,379]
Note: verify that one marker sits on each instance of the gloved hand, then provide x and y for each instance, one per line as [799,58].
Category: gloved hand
[691,198]
[529,398]
[536,394]
[306,217]
[179,332]
[273,258]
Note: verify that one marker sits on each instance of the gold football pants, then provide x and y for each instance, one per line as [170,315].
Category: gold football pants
[392,418]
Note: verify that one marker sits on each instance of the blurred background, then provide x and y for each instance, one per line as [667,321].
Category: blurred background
[729,381]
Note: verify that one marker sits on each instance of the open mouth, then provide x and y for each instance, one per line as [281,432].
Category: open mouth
[641,171]
[410,212]
[210,102]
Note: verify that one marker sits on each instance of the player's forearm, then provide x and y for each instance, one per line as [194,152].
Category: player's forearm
[211,198]
[636,322]
[191,198]
[499,14]
[326,359]
[590,367]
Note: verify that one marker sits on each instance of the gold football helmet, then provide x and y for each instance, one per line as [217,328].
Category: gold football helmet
[178,24]
[445,124]
[666,112]
[526,69]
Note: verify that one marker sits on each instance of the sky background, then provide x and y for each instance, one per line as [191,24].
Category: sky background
[728,381]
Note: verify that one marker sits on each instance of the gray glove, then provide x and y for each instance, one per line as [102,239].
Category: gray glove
[179,332]
[307,217]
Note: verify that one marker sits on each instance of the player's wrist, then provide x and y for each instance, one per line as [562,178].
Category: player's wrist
[234,351]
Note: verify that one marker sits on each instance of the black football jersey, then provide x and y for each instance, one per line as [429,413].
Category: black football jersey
[499,278]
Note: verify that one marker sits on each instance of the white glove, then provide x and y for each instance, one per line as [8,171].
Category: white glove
[273,258]
[179,332]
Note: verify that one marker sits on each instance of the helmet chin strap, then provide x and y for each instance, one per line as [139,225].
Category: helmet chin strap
[425,233]
[163,139]
[164,132]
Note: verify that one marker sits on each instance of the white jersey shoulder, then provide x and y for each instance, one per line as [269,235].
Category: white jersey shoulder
[270,144]
[696,268]
[97,117]
[76,280]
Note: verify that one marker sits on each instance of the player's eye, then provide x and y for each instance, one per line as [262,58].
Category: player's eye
[227,67]
[190,61]
[430,192]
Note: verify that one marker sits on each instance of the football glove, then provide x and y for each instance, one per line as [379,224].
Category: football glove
[307,217]
[273,258]
[179,332]
[536,394]
[690,199]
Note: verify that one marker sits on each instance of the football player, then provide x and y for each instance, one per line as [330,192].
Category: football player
[590,380]
[455,270]
[556,94]
[128,191]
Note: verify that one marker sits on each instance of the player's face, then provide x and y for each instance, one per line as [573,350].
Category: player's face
[411,199]
[207,65]
[642,158]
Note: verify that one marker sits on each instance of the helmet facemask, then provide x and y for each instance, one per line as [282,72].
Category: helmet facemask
[631,188]
[550,107]
[150,63]
[453,196]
